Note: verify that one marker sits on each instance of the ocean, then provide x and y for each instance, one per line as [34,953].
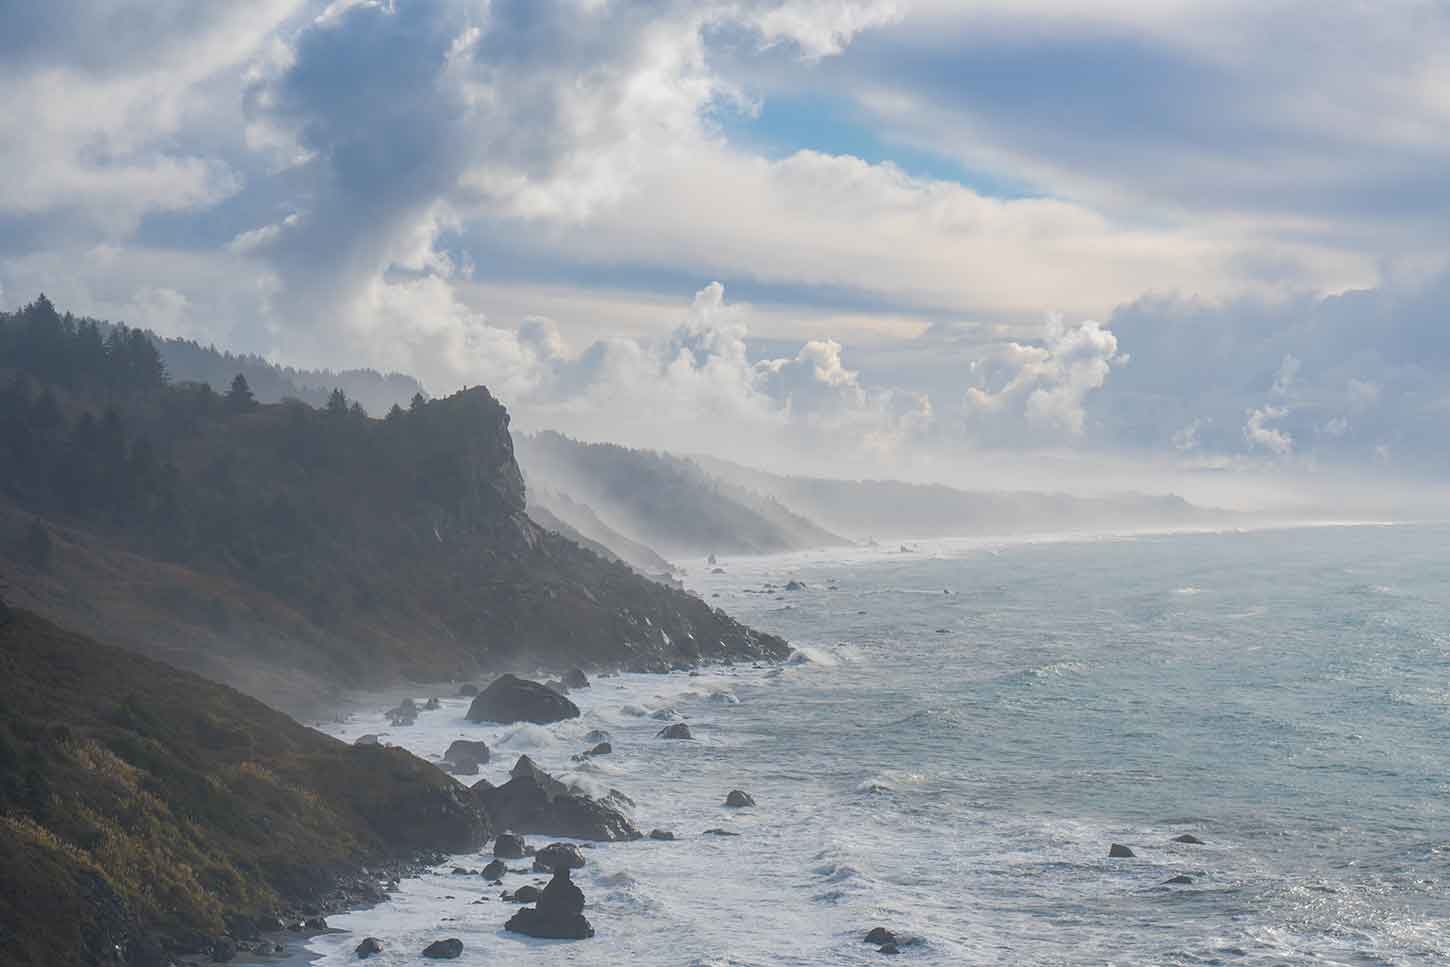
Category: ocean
[968,727]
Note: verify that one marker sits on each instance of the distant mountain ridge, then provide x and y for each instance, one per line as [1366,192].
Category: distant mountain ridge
[892,508]
[666,502]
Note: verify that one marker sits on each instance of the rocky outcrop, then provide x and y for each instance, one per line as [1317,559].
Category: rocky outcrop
[575,678]
[559,914]
[739,799]
[495,870]
[1118,851]
[526,805]
[1188,839]
[466,753]
[368,947]
[512,699]
[677,731]
[450,949]
[508,846]
[555,855]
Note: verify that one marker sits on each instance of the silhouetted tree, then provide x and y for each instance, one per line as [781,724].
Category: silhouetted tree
[417,401]
[239,398]
[395,412]
[337,403]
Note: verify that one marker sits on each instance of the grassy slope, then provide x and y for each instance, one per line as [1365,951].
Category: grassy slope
[137,799]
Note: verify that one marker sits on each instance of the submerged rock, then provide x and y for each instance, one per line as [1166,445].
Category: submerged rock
[1120,852]
[450,949]
[603,748]
[879,935]
[369,946]
[1179,880]
[551,857]
[1189,839]
[795,586]
[677,731]
[738,799]
[559,914]
[597,735]
[511,699]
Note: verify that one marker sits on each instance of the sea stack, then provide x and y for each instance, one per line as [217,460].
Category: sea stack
[559,914]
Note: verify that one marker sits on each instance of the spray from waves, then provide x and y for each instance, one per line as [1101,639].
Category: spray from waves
[529,737]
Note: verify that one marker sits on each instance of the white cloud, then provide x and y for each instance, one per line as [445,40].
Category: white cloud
[1259,433]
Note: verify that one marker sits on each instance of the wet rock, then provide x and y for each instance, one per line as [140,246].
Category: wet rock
[677,731]
[450,949]
[405,714]
[879,935]
[315,923]
[495,870]
[1189,839]
[738,799]
[465,753]
[557,687]
[535,802]
[432,705]
[719,832]
[512,699]
[661,834]
[596,735]
[795,586]
[603,748]
[890,948]
[369,739]
[1179,880]
[559,913]
[1120,852]
[509,847]
[527,893]
[575,678]
[369,946]
[551,857]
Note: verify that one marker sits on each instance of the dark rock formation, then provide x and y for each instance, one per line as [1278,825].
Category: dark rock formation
[795,586]
[661,834]
[879,935]
[575,678]
[535,802]
[597,735]
[1120,852]
[717,831]
[557,687]
[369,946]
[551,857]
[527,893]
[1179,880]
[509,847]
[450,949]
[677,731]
[738,799]
[513,699]
[1189,839]
[369,739]
[603,748]
[890,948]
[495,870]
[465,753]
[559,914]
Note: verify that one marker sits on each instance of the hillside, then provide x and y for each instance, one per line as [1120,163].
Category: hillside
[144,809]
[664,501]
[891,508]
[280,546]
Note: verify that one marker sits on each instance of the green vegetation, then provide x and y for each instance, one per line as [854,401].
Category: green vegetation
[142,804]
[238,539]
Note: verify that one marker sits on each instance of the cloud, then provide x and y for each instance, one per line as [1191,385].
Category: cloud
[1259,434]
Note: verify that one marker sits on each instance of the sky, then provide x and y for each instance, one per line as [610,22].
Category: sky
[915,237]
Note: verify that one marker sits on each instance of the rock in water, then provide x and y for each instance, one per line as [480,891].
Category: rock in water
[1179,880]
[527,893]
[738,799]
[450,949]
[677,731]
[880,935]
[603,748]
[369,739]
[555,855]
[661,834]
[508,846]
[465,753]
[596,735]
[795,586]
[559,914]
[369,946]
[575,678]
[1120,852]
[1189,839]
[495,870]
[512,699]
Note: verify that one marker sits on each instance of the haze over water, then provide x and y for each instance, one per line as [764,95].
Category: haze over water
[978,724]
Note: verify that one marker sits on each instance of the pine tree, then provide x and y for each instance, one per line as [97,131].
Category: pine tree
[337,403]
[239,398]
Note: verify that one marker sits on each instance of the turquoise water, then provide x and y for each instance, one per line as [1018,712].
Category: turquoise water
[977,724]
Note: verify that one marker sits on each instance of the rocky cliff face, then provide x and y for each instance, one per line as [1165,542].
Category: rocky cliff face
[332,550]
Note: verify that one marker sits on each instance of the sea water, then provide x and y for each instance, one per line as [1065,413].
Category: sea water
[966,730]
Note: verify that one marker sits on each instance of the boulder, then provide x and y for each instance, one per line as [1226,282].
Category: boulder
[575,678]
[738,799]
[603,748]
[661,834]
[369,946]
[432,705]
[509,847]
[369,739]
[1120,852]
[527,893]
[528,768]
[512,699]
[551,857]
[1179,880]
[495,870]
[465,753]
[719,832]
[795,586]
[890,948]
[559,914]
[596,735]
[543,805]
[1189,839]
[450,949]
[677,731]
